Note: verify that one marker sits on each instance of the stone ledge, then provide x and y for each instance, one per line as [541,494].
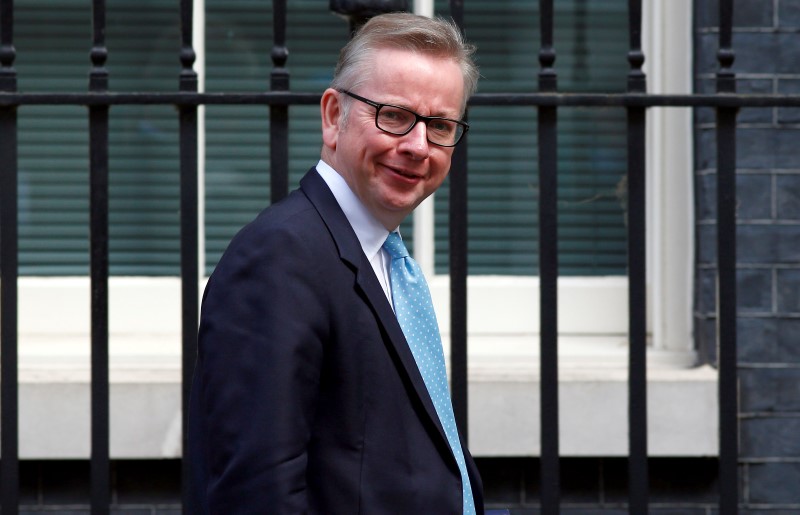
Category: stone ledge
[682,415]
[145,377]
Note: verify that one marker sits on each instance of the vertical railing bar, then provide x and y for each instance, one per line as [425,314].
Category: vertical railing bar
[547,130]
[9,473]
[190,273]
[98,221]
[9,270]
[458,242]
[638,476]
[279,114]
[726,273]
[637,366]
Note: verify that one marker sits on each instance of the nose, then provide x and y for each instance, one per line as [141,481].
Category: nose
[415,143]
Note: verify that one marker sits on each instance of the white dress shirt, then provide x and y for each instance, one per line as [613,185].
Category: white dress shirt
[369,231]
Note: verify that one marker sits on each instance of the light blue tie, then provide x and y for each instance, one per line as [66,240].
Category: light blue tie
[414,310]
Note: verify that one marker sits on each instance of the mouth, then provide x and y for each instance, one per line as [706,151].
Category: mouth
[406,174]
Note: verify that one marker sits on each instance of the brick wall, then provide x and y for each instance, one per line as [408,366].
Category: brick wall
[599,486]
[767,45]
[595,486]
[138,487]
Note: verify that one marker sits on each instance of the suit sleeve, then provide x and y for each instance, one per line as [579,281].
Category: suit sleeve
[260,357]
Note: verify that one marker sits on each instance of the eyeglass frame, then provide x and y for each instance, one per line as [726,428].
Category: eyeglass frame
[427,119]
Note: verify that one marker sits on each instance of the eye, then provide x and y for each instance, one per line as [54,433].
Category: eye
[395,117]
[442,126]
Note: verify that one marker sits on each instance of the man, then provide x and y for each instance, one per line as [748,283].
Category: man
[308,397]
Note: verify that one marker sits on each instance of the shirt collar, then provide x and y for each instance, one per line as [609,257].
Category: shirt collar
[370,232]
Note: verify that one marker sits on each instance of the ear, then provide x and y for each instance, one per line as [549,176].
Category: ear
[330,111]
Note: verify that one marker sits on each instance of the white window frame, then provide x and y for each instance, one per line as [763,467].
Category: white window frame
[593,310]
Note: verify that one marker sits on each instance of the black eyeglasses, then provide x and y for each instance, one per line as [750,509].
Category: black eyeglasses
[399,121]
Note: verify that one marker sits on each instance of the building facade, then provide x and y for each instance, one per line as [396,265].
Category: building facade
[680,41]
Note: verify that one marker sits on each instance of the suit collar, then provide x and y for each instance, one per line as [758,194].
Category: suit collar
[351,253]
[370,232]
[317,191]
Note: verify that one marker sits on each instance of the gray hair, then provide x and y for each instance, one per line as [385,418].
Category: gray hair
[404,31]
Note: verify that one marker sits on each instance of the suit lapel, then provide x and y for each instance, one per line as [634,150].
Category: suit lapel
[350,252]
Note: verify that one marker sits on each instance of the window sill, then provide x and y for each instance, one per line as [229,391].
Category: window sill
[504,410]
[503,402]
[145,374]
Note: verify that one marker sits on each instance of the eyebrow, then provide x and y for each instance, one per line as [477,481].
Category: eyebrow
[440,114]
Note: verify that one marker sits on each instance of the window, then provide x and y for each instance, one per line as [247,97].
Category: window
[591,50]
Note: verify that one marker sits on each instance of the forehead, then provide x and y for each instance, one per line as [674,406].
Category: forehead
[423,82]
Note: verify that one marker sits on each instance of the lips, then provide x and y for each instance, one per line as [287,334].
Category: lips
[405,173]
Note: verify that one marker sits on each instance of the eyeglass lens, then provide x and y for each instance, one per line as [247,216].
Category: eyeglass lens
[397,120]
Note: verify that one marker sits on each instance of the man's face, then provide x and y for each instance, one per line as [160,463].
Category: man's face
[392,174]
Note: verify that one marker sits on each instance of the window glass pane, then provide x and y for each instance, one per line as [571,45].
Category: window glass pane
[53,207]
[502,158]
[239,43]
[53,41]
[53,47]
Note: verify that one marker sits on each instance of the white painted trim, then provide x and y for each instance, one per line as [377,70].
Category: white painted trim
[425,237]
[669,174]
[503,321]
[138,306]
[199,44]
[503,317]
[424,215]
[423,7]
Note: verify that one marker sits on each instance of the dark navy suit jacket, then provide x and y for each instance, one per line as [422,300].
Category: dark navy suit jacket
[306,398]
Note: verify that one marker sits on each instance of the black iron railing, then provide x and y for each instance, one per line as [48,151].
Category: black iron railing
[548,268]
[98,101]
[637,288]
[9,422]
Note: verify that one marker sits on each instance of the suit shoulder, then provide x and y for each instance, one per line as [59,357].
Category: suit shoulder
[294,215]
[291,228]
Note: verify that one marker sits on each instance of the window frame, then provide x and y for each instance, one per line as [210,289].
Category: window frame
[670,243]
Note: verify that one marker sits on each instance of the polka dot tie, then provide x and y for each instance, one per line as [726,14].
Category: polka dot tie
[414,310]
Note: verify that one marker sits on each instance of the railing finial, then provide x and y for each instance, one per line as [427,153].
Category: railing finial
[357,12]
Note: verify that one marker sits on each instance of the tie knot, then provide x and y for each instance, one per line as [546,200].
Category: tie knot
[395,247]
